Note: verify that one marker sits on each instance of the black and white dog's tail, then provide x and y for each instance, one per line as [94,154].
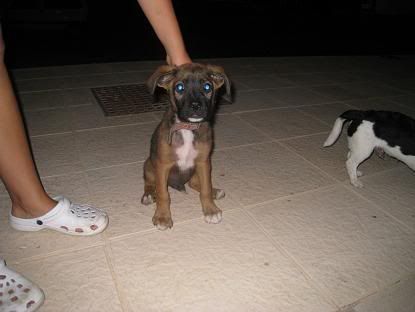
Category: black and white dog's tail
[338,125]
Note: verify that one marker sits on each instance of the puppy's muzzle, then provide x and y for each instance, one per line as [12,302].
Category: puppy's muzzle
[196,112]
[196,106]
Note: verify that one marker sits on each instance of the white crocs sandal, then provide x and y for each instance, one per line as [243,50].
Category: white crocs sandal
[17,293]
[65,217]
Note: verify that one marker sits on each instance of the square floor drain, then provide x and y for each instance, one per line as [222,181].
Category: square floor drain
[131,99]
[128,99]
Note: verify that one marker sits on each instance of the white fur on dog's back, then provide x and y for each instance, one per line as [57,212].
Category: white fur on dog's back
[335,132]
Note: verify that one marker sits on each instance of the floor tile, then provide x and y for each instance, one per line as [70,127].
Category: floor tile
[396,298]
[115,145]
[77,97]
[332,159]
[327,113]
[394,192]
[298,96]
[32,101]
[134,66]
[254,174]
[348,247]
[91,116]
[50,121]
[89,81]
[315,79]
[210,265]
[133,77]
[337,92]
[356,90]
[60,71]
[251,101]
[406,100]
[283,123]
[264,81]
[232,131]
[41,84]
[80,281]
[118,190]
[56,154]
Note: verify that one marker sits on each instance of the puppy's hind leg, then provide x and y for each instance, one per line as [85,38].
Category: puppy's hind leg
[357,154]
[149,196]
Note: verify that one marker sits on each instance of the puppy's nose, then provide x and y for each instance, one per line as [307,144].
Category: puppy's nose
[196,106]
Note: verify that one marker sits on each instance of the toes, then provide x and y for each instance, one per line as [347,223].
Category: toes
[214,218]
[359,173]
[162,223]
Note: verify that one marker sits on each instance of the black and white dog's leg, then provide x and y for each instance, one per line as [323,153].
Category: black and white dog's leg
[359,150]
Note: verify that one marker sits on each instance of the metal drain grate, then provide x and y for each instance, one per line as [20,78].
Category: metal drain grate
[128,99]
[131,99]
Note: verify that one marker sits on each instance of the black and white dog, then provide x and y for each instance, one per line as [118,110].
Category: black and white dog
[391,132]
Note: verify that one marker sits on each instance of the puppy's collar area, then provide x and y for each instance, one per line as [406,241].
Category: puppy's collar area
[192,126]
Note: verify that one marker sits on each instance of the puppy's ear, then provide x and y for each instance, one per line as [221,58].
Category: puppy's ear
[219,78]
[161,78]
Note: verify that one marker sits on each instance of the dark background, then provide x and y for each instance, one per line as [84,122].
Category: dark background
[52,32]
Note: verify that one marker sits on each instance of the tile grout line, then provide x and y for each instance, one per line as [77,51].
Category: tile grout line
[378,291]
[320,170]
[110,264]
[326,296]
[115,126]
[321,120]
[269,201]
[279,141]
[406,227]
[64,251]
[84,75]
[155,230]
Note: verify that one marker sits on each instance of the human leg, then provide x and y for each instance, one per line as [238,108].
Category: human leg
[162,18]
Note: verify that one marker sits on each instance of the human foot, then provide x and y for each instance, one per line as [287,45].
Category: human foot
[65,217]
[17,293]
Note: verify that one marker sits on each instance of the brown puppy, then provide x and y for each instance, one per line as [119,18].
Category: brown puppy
[182,143]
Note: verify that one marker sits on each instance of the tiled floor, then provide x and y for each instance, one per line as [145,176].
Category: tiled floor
[295,235]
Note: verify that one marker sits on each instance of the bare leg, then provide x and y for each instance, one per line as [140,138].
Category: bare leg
[161,15]
[17,169]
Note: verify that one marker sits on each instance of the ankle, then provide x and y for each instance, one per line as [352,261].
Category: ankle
[34,209]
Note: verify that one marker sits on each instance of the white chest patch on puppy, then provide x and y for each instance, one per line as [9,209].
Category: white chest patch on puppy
[186,153]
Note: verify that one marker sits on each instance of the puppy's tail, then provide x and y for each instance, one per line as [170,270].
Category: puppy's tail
[338,125]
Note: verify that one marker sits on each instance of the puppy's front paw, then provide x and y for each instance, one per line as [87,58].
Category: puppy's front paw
[212,214]
[359,173]
[356,183]
[162,222]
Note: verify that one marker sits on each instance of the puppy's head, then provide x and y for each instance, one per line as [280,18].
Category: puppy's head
[192,89]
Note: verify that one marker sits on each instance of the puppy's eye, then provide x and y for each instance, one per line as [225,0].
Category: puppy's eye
[179,88]
[207,87]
